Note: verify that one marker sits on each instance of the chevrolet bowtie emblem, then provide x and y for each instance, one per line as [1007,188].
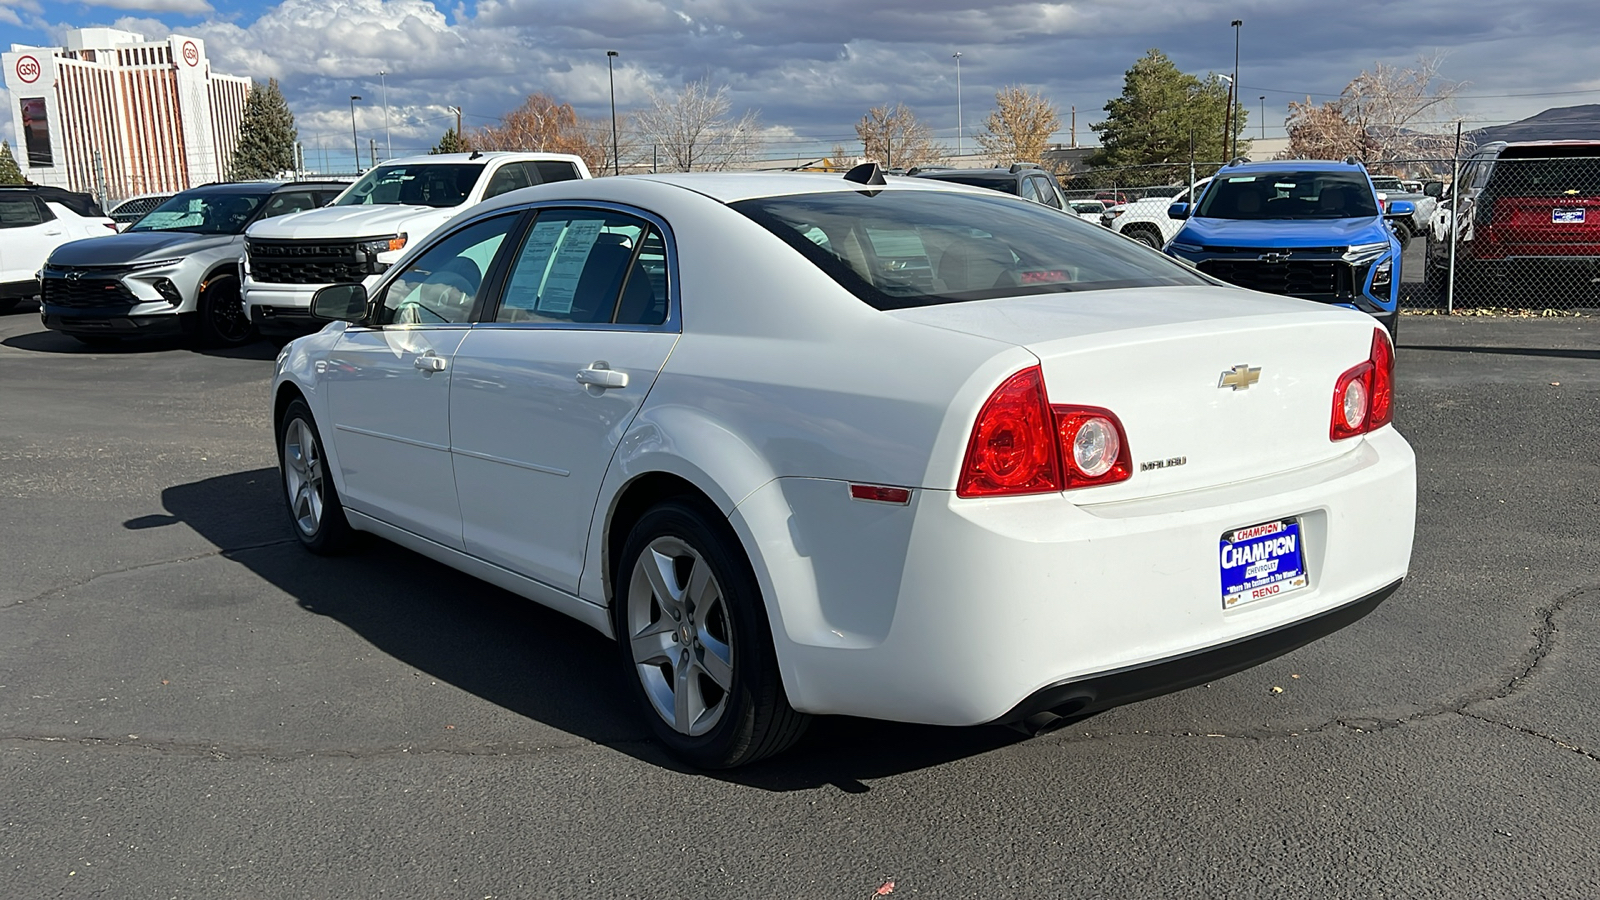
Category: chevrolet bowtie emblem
[1240,377]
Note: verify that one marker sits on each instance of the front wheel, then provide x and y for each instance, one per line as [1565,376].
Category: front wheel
[314,507]
[223,322]
[1146,237]
[694,638]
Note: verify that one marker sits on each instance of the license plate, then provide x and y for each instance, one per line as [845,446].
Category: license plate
[1567,216]
[1262,561]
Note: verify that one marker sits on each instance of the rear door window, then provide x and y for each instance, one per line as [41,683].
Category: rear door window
[554,170]
[21,211]
[587,267]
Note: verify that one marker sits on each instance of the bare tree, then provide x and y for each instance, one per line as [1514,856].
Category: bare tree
[693,129]
[541,123]
[1382,116]
[1019,129]
[892,136]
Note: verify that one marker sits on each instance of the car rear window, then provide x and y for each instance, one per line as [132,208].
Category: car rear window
[901,249]
[1003,185]
[1563,175]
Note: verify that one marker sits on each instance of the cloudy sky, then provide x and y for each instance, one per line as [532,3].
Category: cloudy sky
[813,68]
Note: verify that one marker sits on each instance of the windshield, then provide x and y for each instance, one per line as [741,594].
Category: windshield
[1289,195]
[438,184]
[208,213]
[900,249]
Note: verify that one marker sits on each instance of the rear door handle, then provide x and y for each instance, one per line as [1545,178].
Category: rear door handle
[600,374]
[429,363]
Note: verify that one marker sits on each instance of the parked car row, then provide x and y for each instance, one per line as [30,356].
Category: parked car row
[34,221]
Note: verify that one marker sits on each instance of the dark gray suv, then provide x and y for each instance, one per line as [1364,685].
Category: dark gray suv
[1029,181]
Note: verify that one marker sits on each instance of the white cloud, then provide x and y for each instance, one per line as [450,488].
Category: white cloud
[187,7]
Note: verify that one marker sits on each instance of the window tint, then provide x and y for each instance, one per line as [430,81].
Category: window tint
[509,177]
[588,267]
[20,211]
[909,248]
[1289,195]
[289,202]
[551,170]
[1030,190]
[1047,194]
[440,286]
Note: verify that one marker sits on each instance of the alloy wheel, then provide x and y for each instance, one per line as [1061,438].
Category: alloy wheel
[680,635]
[303,476]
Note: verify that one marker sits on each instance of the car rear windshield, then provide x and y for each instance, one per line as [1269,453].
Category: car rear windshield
[208,213]
[1289,195]
[1549,176]
[430,184]
[898,249]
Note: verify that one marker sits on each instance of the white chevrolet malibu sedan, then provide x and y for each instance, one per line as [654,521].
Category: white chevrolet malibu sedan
[809,444]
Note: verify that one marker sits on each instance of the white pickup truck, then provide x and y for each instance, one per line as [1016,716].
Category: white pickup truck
[1146,221]
[368,227]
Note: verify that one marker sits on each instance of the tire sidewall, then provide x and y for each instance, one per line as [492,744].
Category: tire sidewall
[704,530]
[226,290]
[332,530]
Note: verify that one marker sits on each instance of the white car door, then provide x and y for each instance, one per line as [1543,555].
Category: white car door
[545,387]
[29,230]
[388,385]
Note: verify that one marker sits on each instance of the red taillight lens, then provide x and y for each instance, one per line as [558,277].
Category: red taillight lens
[1363,397]
[1012,450]
[1022,445]
[1094,448]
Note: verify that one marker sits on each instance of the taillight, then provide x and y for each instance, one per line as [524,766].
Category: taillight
[1023,445]
[1363,397]
[1013,450]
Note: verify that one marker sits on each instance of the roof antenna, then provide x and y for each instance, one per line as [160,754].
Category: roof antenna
[866,173]
[475,155]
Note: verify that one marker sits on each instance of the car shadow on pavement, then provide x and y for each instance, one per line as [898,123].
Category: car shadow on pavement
[515,653]
[46,341]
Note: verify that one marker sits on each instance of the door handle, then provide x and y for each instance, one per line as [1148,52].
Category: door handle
[429,363]
[600,374]
[57,231]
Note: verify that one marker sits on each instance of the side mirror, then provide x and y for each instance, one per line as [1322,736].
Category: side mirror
[1399,209]
[1433,189]
[340,303]
[1178,211]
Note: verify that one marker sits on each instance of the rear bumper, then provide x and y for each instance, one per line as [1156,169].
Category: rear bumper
[961,612]
[19,290]
[1086,696]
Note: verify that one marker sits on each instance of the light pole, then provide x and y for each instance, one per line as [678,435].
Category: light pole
[1263,99]
[1227,117]
[1233,132]
[353,139]
[616,164]
[959,148]
[388,145]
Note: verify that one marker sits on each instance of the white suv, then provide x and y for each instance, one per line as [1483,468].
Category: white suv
[367,228]
[33,222]
[1146,221]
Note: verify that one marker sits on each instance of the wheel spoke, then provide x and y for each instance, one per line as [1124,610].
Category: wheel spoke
[716,660]
[682,685]
[653,645]
[701,592]
[659,569]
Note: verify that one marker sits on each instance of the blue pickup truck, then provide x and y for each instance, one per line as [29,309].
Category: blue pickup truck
[1305,228]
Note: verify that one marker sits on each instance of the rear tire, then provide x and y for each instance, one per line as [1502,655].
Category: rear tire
[315,513]
[694,639]
[1146,237]
[223,322]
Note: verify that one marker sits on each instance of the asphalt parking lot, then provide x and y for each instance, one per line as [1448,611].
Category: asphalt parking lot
[191,706]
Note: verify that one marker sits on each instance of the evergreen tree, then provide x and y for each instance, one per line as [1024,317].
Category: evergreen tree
[9,172]
[451,143]
[267,136]
[1151,123]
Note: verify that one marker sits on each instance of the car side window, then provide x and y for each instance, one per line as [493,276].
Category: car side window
[289,202]
[1047,194]
[1029,190]
[587,267]
[21,211]
[508,177]
[440,286]
[550,170]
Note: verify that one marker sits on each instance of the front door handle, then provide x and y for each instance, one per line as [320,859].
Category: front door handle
[600,374]
[429,363]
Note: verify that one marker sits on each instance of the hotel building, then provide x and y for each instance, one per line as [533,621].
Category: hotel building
[116,115]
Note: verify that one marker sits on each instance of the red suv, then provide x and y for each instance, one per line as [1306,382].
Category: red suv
[1529,217]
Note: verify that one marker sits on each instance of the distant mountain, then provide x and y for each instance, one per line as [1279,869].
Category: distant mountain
[1566,123]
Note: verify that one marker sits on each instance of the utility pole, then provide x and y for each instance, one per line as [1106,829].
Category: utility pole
[353,139]
[959,148]
[1233,132]
[1074,128]
[1455,225]
[388,145]
[1227,119]
[372,152]
[616,164]
[1263,99]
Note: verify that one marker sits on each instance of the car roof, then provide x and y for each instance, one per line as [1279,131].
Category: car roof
[259,187]
[1298,165]
[80,202]
[437,159]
